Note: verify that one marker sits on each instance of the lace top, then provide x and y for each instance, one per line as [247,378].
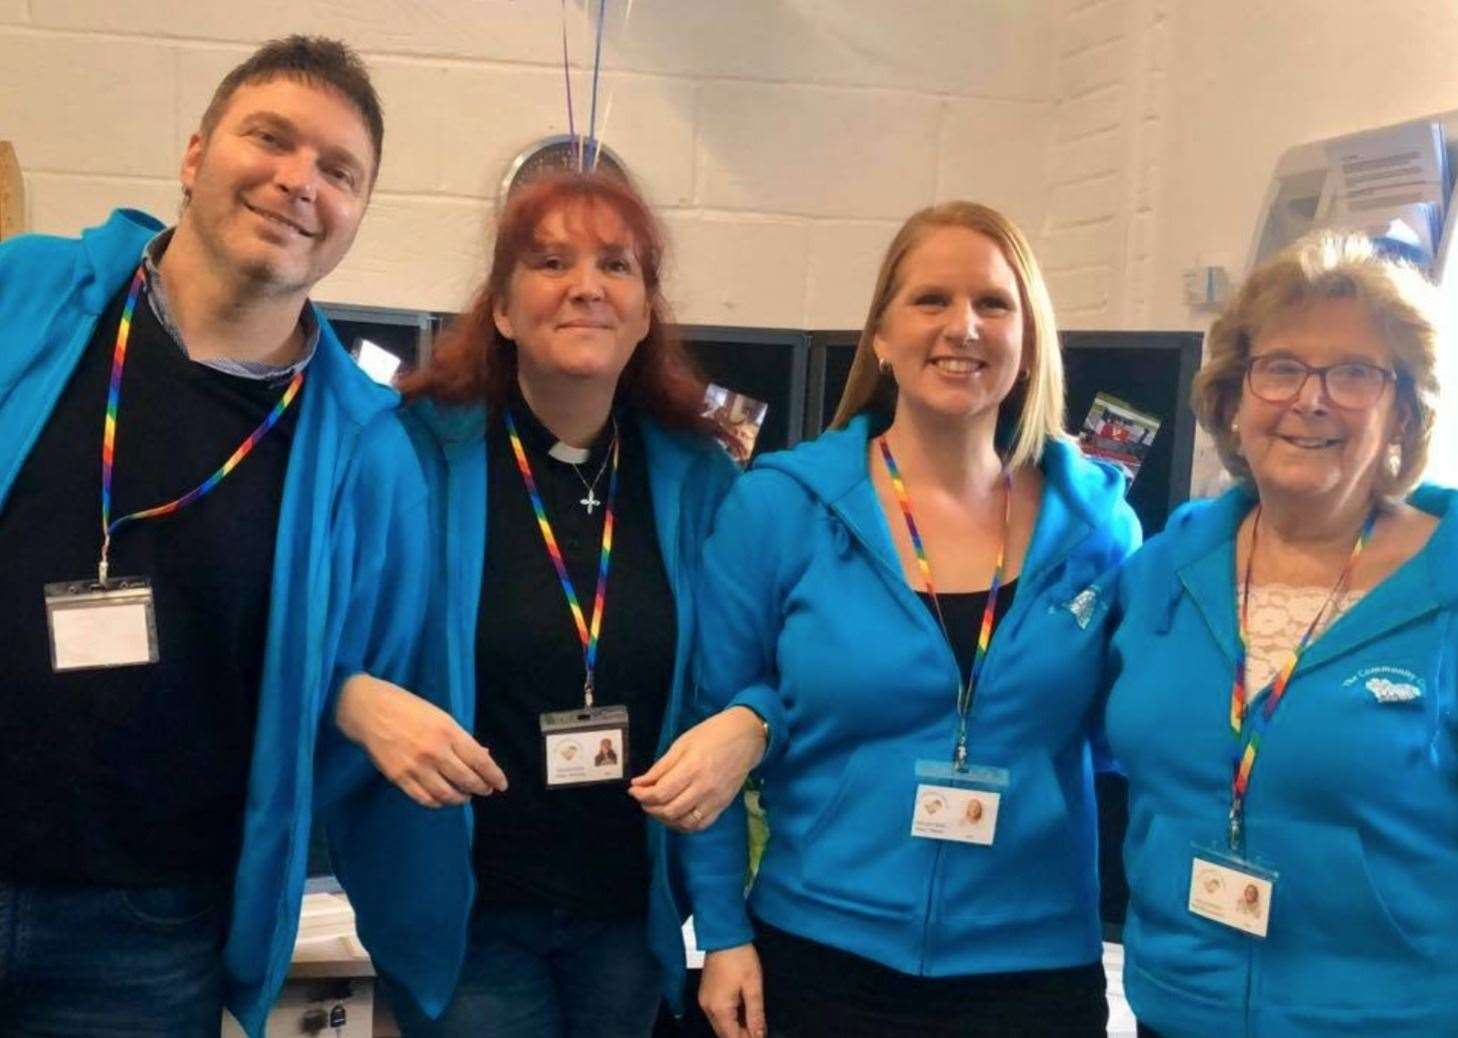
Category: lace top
[1279,615]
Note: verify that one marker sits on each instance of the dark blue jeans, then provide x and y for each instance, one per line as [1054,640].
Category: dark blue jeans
[111,963]
[541,973]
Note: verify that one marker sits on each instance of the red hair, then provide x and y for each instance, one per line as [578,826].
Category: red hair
[472,361]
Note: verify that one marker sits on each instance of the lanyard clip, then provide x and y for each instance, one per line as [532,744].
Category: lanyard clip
[587,690]
[1235,829]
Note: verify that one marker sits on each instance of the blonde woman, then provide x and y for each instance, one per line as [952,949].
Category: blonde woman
[843,591]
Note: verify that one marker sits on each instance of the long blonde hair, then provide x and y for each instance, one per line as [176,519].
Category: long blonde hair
[1039,401]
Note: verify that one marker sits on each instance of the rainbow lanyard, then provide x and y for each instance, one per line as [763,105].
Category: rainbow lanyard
[989,612]
[108,437]
[1249,726]
[588,635]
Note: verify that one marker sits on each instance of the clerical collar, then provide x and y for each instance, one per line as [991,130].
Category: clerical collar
[541,439]
[563,451]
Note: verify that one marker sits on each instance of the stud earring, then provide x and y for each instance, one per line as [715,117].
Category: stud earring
[883,365]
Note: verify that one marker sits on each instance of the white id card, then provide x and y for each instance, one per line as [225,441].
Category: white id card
[1231,892]
[585,746]
[957,805]
[92,626]
[949,813]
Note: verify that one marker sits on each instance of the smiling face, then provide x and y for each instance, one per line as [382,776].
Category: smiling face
[953,329]
[277,189]
[1309,448]
[577,305]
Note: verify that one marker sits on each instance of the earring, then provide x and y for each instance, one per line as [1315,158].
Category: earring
[1024,375]
[1394,459]
[883,365]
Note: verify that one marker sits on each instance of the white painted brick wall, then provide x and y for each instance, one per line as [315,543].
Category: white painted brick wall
[1085,240]
[125,119]
[783,140]
[996,152]
[844,258]
[817,151]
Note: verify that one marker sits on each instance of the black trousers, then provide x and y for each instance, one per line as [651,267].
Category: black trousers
[813,990]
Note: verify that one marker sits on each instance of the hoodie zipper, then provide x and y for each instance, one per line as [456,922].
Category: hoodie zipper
[1035,579]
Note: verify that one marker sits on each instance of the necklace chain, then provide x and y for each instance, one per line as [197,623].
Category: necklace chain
[591,501]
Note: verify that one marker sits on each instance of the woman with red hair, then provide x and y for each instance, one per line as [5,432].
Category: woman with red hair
[573,478]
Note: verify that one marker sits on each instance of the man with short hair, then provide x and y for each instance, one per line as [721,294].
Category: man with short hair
[185,481]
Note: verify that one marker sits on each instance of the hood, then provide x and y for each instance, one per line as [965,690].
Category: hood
[1200,540]
[453,426]
[833,466]
[112,252]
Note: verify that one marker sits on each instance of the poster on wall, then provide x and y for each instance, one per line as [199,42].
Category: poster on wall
[1118,433]
[1389,183]
[741,415]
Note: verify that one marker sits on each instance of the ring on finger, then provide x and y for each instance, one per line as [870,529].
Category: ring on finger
[696,816]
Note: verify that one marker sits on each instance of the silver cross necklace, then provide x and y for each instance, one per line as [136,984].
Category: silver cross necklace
[591,501]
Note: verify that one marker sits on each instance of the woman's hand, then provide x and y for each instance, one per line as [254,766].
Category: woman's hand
[702,771]
[415,744]
[731,992]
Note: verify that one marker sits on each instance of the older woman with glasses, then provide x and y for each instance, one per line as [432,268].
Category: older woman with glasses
[1285,673]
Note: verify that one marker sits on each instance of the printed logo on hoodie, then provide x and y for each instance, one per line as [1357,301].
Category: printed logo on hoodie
[1388,684]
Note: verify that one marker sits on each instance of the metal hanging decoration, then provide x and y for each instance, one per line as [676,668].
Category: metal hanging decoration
[573,151]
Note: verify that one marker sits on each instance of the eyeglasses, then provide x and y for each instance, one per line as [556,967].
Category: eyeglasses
[1353,384]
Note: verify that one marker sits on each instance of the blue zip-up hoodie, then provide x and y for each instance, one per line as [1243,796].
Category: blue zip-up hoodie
[417,931]
[807,618]
[339,501]
[1353,800]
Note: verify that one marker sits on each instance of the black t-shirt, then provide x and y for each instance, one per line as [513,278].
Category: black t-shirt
[582,849]
[137,776]
[962,611]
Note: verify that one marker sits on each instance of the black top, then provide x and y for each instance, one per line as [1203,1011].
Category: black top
[815,988]
[137,775]
[582,849]
[962,611]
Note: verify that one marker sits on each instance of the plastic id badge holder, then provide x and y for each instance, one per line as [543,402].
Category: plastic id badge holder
[1231,891]
[957,805]
[94,625]
[585,746]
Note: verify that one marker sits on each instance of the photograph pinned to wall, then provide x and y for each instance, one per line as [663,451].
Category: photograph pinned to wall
[742,415]
[1118,433]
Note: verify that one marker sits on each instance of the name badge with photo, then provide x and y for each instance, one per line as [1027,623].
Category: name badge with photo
[93,625]
[585,746]
[1232,892]
[957,805]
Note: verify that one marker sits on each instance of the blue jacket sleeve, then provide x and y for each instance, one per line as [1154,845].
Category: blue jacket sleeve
[740,603]
[379,588]
[1126,536]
